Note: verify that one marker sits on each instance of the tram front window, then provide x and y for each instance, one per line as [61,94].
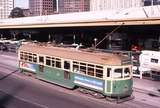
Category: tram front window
[118,73]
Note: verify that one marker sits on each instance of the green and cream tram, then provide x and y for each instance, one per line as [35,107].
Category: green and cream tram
[106,73]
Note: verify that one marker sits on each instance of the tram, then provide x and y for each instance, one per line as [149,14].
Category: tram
[109,74]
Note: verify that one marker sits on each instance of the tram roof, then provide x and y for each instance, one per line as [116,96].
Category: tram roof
[73,54]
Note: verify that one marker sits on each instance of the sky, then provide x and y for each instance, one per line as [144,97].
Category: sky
[21,3]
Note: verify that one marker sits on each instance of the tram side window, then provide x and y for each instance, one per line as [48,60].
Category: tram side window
[30,57]
[34,58]
[58,63]
[41,59]
[108,72]
[48,61]
[75,66]
[118,73]
[53,62]
[25,56]
[99,73]
[83,68]
[67,65]
[21,55]
[126,72]
[90,70]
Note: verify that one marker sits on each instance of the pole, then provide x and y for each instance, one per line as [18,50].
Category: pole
[57,6]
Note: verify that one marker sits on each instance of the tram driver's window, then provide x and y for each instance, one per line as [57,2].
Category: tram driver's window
[66,65]
[118,73]
[41,59]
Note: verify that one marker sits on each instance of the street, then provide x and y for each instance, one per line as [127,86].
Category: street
[20,91]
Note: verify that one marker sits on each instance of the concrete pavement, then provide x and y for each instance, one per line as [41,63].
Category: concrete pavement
[148,86]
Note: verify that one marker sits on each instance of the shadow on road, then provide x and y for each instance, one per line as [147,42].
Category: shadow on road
[6,98]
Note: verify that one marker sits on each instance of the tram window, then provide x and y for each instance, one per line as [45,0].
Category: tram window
[58,63]
[90,71]
[108,72]
[21,56]
[41,59]
[126,72]
[30,57]
[75,68]
[83,69]
[66,65]
[48,61]
[34,58]
[26,57]
[99,73]
[53,62]
[118,73]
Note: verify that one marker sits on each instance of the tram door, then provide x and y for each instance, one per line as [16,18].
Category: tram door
[67,68]
[41,66]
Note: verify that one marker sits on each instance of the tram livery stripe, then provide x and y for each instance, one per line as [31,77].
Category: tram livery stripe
[89,82]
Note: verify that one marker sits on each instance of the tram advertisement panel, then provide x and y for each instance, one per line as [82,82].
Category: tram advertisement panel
[28,66]
[88,82]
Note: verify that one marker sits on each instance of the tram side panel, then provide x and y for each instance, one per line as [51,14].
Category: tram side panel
[57,76]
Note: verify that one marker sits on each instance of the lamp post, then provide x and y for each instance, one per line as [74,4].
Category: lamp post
[57,6]
[95,42]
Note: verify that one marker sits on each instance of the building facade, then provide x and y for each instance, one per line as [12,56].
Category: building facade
[41,7]
[96,5]
[66,6]
[5,8]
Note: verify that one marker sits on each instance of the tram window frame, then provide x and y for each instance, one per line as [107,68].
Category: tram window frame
[48,61]
[58,63]
[125,74]
[41,59]
[75,66]
[34,58]
[83,68]
[21,55]
[25,56]
[99,73]
[90,71]
[67,65]
[118,74]
[30,57]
